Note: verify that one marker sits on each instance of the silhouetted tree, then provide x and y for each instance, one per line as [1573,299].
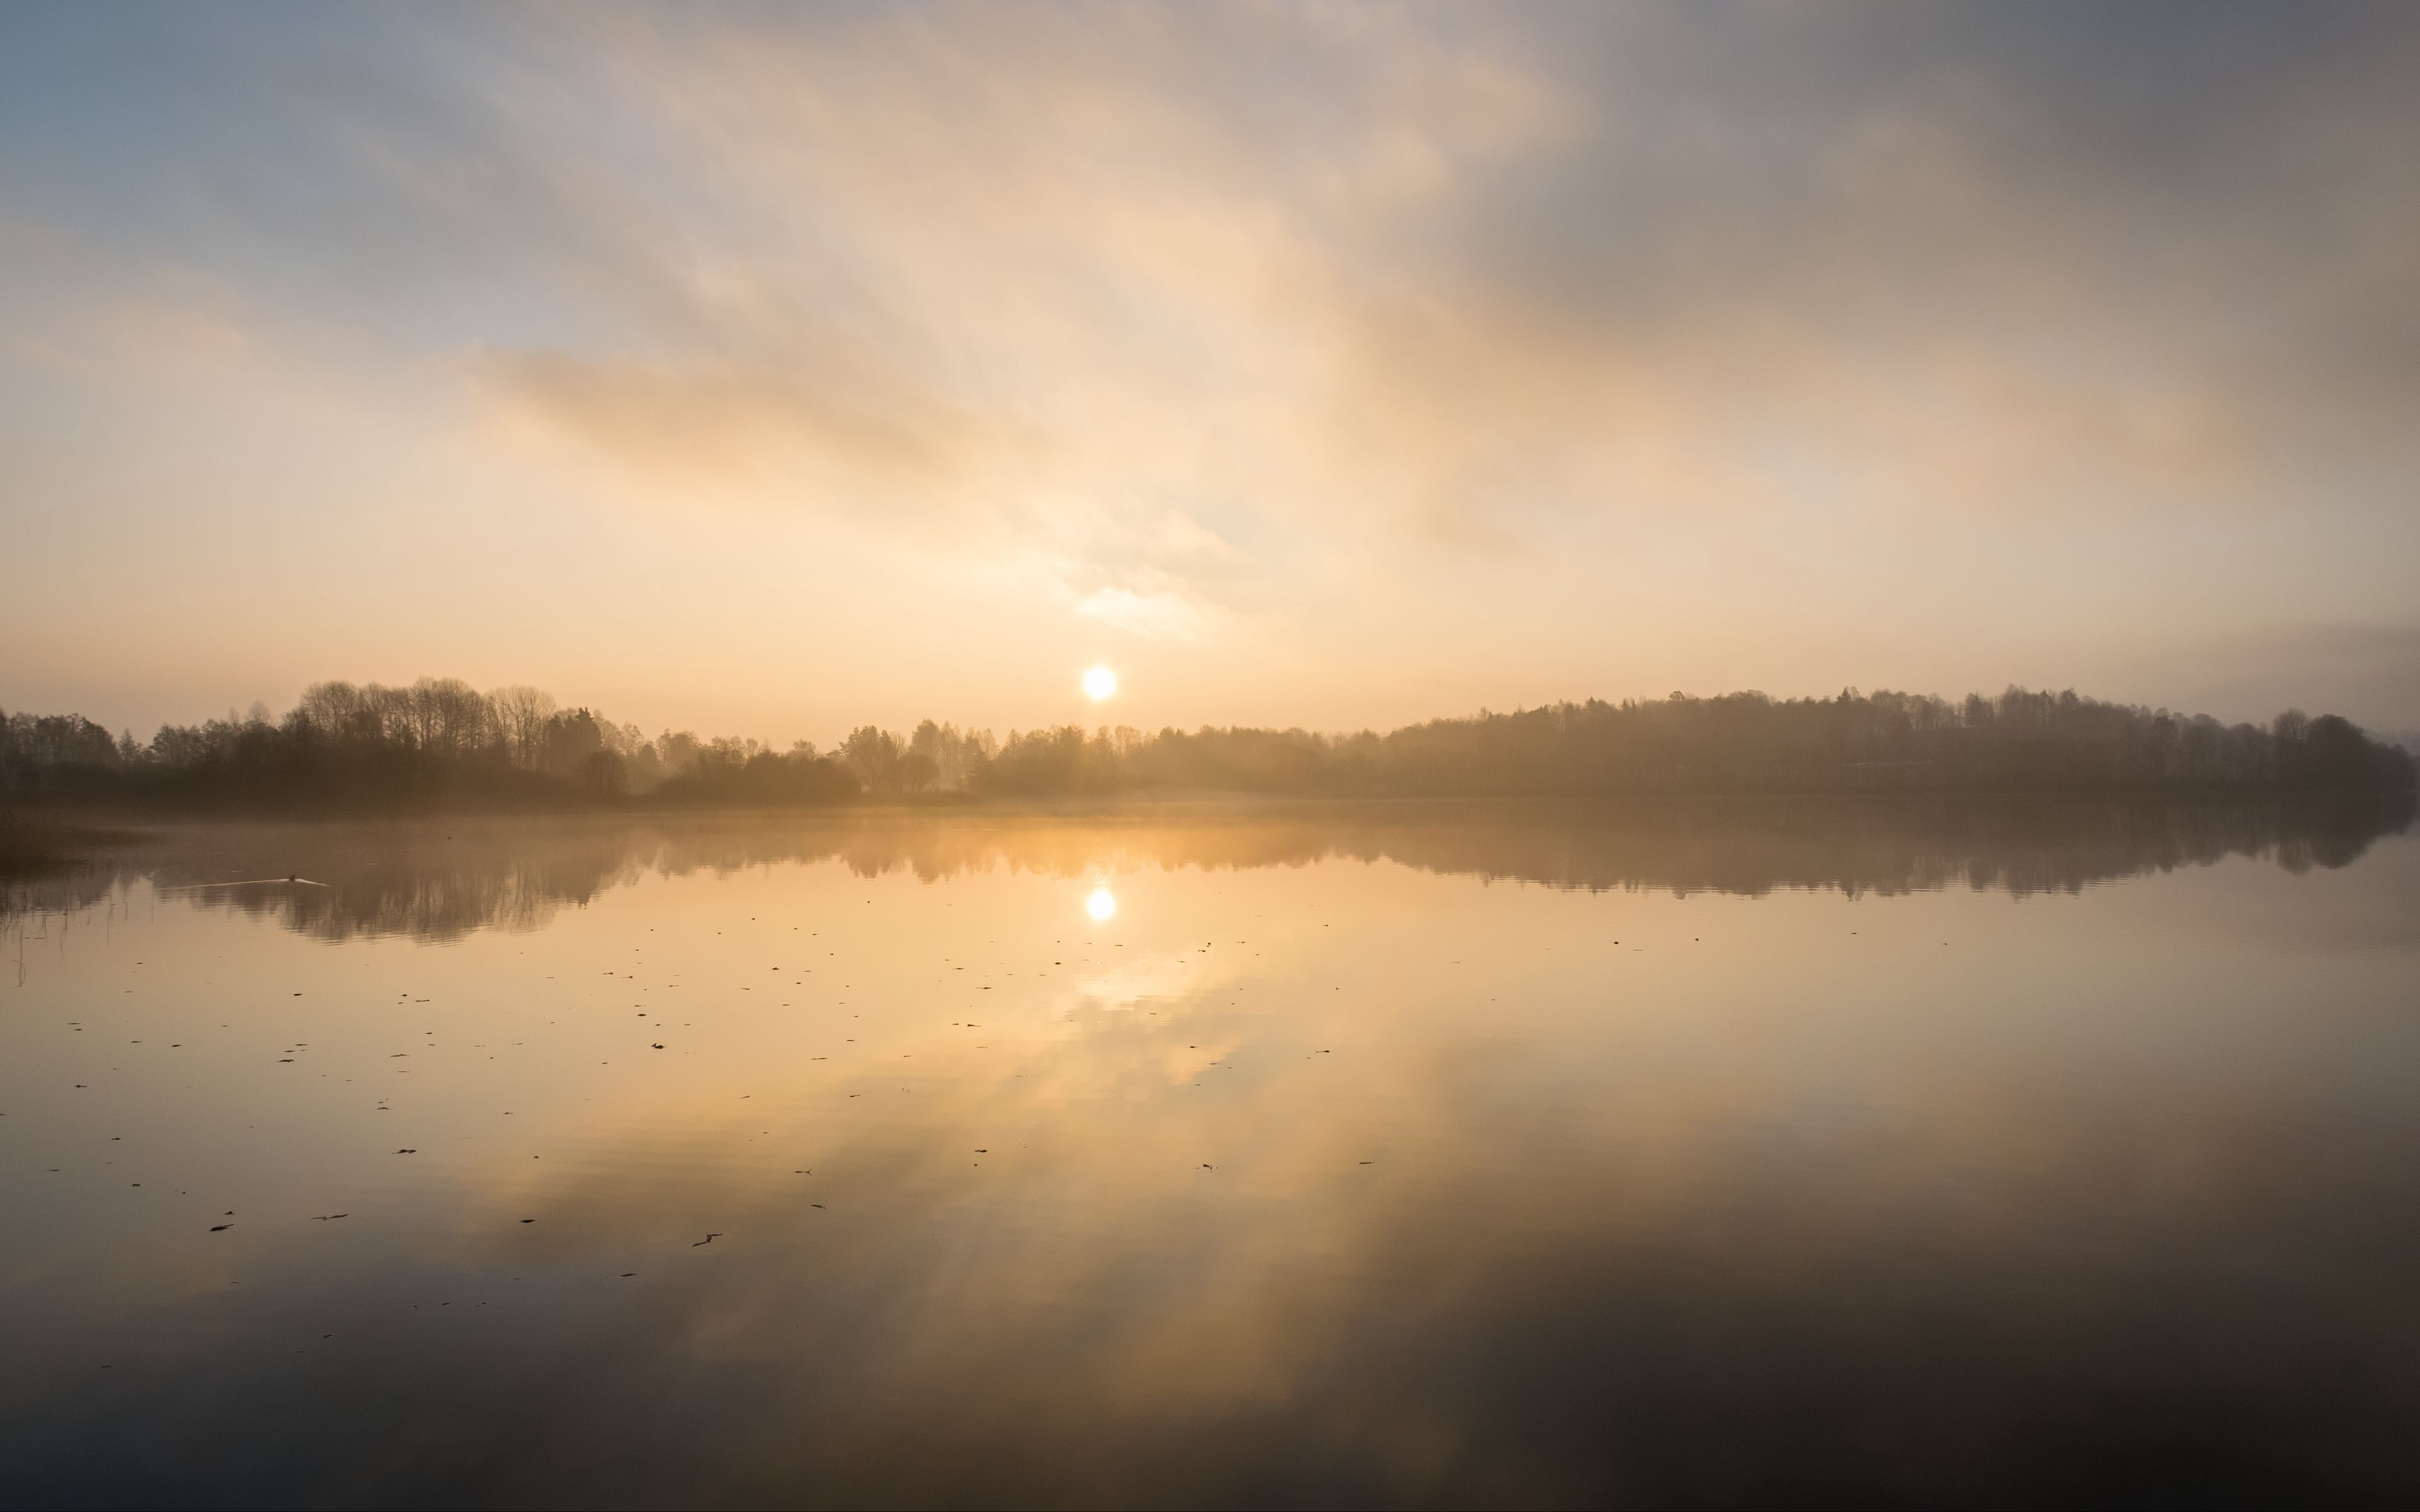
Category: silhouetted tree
[439,741]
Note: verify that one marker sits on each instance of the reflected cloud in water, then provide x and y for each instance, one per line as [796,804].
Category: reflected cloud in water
[1755,1153]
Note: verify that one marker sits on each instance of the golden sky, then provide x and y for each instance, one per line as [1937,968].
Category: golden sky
[769,371]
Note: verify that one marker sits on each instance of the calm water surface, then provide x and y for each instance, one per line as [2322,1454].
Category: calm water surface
[1780,1154]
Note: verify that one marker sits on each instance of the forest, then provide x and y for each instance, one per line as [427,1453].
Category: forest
[441,743]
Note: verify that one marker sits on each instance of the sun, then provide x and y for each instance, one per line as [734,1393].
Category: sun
[1101,904]
[1100,683]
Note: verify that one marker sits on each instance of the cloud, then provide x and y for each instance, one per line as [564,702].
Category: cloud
[1164,615]
[1456,277]
[1449,325]
[854,428]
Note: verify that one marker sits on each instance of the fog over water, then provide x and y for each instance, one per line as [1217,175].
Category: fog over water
[1364,1153]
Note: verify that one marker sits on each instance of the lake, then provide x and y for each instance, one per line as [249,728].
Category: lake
[1784,1151]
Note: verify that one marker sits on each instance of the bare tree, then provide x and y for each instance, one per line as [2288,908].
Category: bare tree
[520,713]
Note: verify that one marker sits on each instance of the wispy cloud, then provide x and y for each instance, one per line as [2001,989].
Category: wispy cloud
[1430,327]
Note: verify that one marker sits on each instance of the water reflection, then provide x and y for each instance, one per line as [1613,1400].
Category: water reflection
[1764,1154]
[437,880]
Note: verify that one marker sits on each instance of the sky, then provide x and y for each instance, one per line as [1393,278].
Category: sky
[773,370]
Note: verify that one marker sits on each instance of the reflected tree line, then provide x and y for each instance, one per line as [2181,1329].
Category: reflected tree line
[439,879]
[442,743]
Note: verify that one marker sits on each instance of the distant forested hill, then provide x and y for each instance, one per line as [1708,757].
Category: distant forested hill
[441,743]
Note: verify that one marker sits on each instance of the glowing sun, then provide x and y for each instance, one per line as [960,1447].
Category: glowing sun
[1100,905]
[1100,683]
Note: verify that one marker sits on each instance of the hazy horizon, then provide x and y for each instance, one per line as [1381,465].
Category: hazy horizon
[1111,714]
[1108,714]
[772,372]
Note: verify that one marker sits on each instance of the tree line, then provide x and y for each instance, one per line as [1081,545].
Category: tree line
[440,742]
